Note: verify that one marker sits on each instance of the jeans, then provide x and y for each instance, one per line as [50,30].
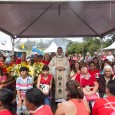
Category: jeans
[47,101]
[21,109]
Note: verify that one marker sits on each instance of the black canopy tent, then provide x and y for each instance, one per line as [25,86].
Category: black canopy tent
[57,18]
[33,19]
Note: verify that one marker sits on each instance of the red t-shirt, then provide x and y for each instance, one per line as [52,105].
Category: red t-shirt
[75,58]
[103,57]
[45,62]
[102,107]
[12,63]
[18,61]
[5,112]
[86,82]
[45,110]
[46,81]
[93,72]
[3,66]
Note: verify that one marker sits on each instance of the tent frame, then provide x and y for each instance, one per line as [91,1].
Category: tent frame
[13,37]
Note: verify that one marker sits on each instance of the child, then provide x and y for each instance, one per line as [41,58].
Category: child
[23,83]
[44,83]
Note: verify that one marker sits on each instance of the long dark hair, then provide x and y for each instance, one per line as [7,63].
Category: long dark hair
[74,69]
[1,71]
[7,99]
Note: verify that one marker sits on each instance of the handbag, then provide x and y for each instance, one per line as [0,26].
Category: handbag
[92,97]
[45,88]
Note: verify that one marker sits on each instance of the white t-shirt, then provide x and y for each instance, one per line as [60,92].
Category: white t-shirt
[110,58]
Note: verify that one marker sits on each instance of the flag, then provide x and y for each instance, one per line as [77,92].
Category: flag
[22,46]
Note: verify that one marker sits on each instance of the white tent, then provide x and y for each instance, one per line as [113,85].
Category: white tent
[111,47]
[8,47]
[1,46]
[52,48]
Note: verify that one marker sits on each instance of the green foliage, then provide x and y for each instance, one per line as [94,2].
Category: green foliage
[110,40]
[88,45]
[75,48]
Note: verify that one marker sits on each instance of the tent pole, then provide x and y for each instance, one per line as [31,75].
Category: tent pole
[28,45]
[13,40]
[101,46]
[101,49]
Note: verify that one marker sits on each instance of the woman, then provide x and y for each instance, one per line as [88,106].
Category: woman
[3,64]
[3,78]
[7,106]
[44,83]
[87,81]
[13,60]
[92,69]
[106,62]
[75,70]
[103,80]
[97,64]
[75,101]
[46,59]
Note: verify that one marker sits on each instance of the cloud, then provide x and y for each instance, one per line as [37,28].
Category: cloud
[5,37]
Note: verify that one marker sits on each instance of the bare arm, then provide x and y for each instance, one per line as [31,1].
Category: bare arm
[2,85]
[60,110]
[19,98]
[7,84]
[95,87]
[50,84]
[87,106]
[38,81]
[6,81]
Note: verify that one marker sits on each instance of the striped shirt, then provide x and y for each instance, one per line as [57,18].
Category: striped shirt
[23,85]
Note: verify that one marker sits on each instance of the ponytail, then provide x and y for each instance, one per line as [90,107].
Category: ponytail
[74,90]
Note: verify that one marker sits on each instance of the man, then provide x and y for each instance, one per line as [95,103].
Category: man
[22,59]
[36,58]
[106,106]
[110,57]
[34,101]
[59,66]
[80,58]
[95,55]
[103,56]
[92,69]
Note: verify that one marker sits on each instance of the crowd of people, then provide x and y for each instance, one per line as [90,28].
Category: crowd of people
[84,86]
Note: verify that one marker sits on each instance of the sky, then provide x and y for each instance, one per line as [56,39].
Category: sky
[4,37]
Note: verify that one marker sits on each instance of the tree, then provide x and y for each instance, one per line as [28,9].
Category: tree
[93,44]
[75,48]
[110,40]
[88,45]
